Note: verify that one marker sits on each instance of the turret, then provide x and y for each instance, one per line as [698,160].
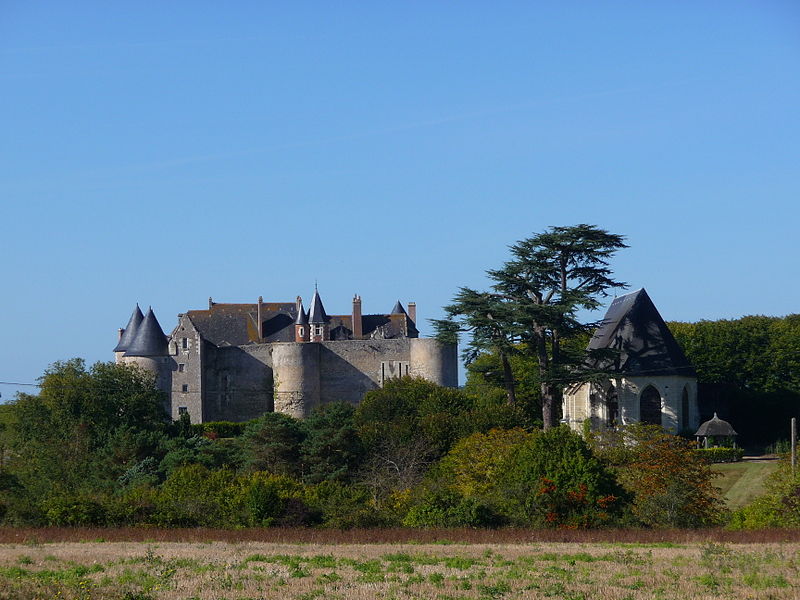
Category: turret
[149,350]
[318,320]
[301,329]
[128,334]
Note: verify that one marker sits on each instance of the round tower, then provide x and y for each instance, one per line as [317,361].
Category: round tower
[127,335]
[149,351]
[295,368]
[434,361]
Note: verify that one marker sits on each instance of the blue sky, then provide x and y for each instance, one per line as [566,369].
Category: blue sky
[164,152]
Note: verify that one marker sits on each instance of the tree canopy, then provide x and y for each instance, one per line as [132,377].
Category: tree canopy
[534,304]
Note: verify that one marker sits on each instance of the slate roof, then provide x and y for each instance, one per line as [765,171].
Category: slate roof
[149,339]
[302,317]
[130,330]
[644,344]
[316,313]
[237,324]
[398,309]
[716,426]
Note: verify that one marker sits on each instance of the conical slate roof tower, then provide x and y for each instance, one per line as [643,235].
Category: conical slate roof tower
[150,339]
[317,314]
[130,330]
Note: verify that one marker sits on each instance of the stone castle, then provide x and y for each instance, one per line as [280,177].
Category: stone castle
[234,362]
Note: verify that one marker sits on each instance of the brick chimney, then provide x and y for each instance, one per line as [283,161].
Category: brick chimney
[358,332]
[260,322]
[412,311]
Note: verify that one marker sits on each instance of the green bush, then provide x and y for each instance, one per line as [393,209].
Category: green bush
[218,429]
[779,506]
[446,508]
[73,510]
[553,479]
[720,455]
[344,506]
[195,496]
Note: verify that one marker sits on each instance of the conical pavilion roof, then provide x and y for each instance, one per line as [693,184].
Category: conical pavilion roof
[642,341]
[150,339]
[130,330]
[302,317]
[317,313]
[716,426]
[398,309]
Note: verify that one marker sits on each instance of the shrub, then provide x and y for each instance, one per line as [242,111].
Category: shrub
[672,485]
[195,496]
[73,510]
[554,479]
[218,429]
[264,497]
[720,455]
[344,507]
[779,506]
[446,508]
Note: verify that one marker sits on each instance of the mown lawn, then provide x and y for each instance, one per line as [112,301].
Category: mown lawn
[741,482]
[256,570]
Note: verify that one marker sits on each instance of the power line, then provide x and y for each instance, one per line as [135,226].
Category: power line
[19,383]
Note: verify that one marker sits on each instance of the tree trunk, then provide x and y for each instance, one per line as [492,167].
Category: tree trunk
[545,388]
[508,380]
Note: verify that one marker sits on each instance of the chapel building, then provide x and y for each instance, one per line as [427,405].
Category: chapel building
[650,378]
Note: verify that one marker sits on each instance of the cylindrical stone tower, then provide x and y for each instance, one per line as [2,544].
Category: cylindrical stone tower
[295,369]
[434,361]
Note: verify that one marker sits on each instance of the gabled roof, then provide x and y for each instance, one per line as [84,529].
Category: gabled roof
[716,426]
[317,313]
[643,342]
[150,339]
[237,324]
[130,330]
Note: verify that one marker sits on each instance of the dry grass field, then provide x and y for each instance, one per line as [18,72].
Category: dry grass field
[439,571]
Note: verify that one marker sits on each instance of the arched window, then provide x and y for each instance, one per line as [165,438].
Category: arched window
[612,406]
[685,408]
[650,406]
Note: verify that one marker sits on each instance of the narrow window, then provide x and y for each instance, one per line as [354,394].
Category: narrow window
[181,367]
[185,387]
[185,343]
[650,406]
[182,410]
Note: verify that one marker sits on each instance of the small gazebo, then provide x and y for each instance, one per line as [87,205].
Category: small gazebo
[715,428]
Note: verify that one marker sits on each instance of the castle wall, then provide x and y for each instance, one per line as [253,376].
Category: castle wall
[351,368]
[238,383]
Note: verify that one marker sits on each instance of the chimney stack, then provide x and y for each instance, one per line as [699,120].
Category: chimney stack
[210,303]
[412,312]
[260,326]
[358,332]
